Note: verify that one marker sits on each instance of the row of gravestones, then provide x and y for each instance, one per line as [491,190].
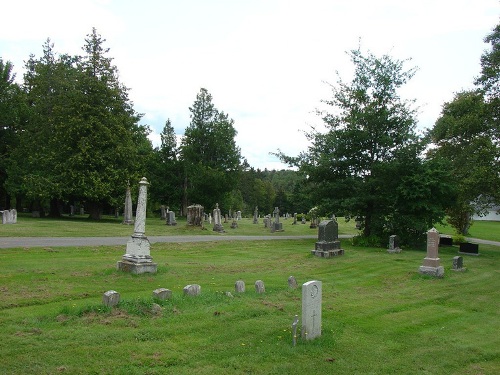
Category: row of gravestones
[9,216]
[111,297]
[311,303]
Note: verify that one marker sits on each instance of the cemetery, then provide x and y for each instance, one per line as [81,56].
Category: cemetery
[236,306]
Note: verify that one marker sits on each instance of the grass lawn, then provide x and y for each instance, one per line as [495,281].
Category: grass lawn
[380,316]
[81,226]
[486,230]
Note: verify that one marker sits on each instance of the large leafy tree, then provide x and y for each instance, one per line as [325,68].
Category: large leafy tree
[467,134]
[83,132]
[209,153]
[11,113]
[464,136]
[362,165]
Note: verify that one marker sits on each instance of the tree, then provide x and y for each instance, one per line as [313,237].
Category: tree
[489,80]
[83,133]
[209,153]
[11,111]
[463,135]
[370,131]
[166,170]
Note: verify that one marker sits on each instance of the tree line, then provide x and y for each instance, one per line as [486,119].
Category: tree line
[69,133]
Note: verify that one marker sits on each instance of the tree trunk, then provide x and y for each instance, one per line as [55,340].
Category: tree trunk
[94,209]
[54,208]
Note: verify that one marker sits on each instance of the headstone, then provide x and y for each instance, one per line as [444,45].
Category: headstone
[163,213]
[171,218]
[259,287]
[217,219]
[195,215]
[256,215]
[234,224]
[394,244]
[311,309]
[239,286]
[431,264]
[303,221]
[210,218]
[445,241]
[111,298]
[468,248]
[9,216]
[458,264]
[127,211]
[328,244]
[82,211]
[192,290]
[266,221]
[71,210]
[162,293]
[277,226]
[238,215]
[294,219]
[292,282]
[137,258]
[117,212]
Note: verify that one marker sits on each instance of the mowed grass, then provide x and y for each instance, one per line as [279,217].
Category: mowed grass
[380,316]
[81,226]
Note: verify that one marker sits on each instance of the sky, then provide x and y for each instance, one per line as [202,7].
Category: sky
[267,63]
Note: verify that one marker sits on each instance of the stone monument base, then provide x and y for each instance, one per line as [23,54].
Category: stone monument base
[218,228]
[327,253]
[327,249]
[397,250]
[277,227]
[136,268]
[432,271]
[137,259]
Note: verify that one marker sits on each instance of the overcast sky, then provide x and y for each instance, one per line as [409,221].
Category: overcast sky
[265,62]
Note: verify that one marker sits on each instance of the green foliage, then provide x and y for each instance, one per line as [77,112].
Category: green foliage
[209,154]
[465,138]
[367,161]
[82,133]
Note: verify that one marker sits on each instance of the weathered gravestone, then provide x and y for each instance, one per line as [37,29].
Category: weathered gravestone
[294,219]
[127,211]
[458,264]
[256,215]
[162,293]
[292,282]
[311,309]
[195,215]
[163,212]
[9,216]
[431,264]
[267,221]
[217,219]
[239,286]
[328,244]
[192,290]
[238,215]
[137,258]
[259,287]
[276,225]
[171,218]
[394,244]
[111,298]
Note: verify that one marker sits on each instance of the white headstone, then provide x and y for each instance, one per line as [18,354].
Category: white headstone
[192,290]
[259,286]
[311,309]
[111,298]
[239,286]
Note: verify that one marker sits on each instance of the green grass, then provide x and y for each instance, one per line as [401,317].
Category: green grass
[380,316]
[81,226]
[486,230]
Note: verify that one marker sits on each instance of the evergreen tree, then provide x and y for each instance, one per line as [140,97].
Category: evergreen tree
[209,154]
